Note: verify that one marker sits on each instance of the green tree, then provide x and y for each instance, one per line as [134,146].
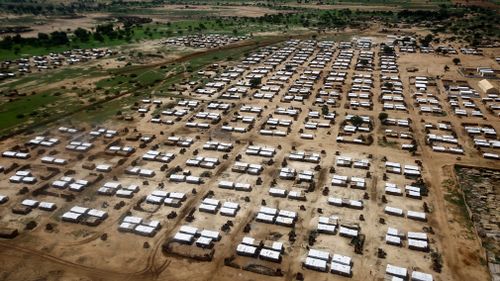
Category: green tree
[356,120]
[426,40]
[388,50]
[255,82]
[43,37]
[98,37]
[324,110]
[82,34]
[105,29]
[413,149]
[382,116]
[388,85]
[58,38]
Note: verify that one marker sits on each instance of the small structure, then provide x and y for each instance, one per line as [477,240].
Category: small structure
[487,87]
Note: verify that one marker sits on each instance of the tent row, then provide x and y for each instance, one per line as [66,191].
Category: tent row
[203,239]
[212,206]
[401,274]
[265,250]
[419,216]
[72,184]
[235,185]
[117,189]
[140,226]
[288,173]
[84,215]
[321,260]
[172,199]
[293,194]
[23,176]
[275,216]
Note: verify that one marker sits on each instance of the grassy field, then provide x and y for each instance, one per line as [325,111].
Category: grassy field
[404,3]
[116,91]
[101,113]
[305,16]
[48,77]
[175,73]
[151,31]
[34,108]
[37,106]
[21,20]
[140,80]
[12,113]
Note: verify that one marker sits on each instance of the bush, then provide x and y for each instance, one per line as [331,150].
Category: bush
[382,116]
[356,121]
[31,225]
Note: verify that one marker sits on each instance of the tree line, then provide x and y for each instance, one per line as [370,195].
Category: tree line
[61,38]
[310,18]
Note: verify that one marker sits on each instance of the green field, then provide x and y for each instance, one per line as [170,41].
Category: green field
[203,21]
[114,92]
[117,87]
[33,109]
[145,32]
[12,113]
[47,77]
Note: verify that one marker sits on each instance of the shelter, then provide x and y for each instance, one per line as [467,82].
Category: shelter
[487,87]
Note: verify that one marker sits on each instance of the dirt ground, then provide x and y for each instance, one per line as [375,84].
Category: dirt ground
[47,24]
[480,3]
[224,11]
[387,7]
[78,252]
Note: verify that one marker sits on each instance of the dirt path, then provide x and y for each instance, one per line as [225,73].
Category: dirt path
[453,249]
[460,257]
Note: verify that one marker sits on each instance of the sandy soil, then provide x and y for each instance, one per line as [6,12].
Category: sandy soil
[76,252]
[480,3]
[224,11]
[348,6]
[47,24]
